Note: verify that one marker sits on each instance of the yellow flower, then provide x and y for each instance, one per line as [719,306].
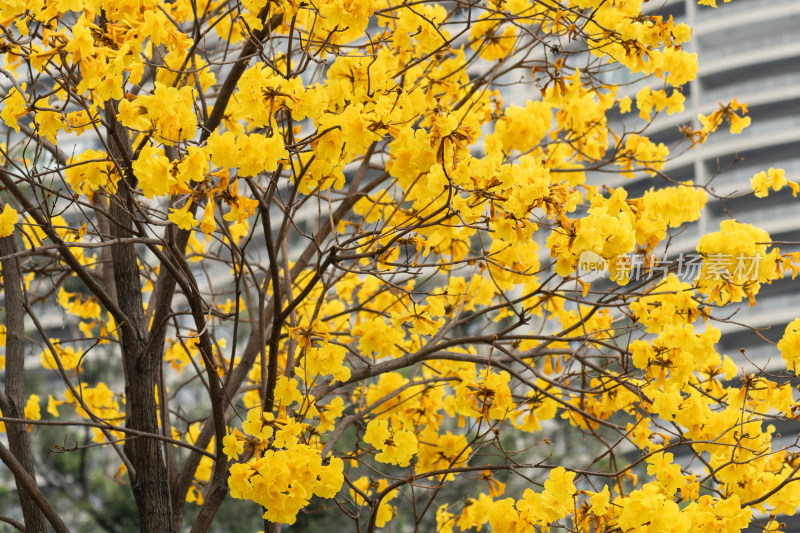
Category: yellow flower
[15,107]
[48,124]
[8,218]
[68,356]
[774,178]
[52,405]
[288,434]
[668,474]
[233,445]
[258,424]
[789,346]
[32,409]
[208,225]
[152,169]
[396,448]
[94,171]
[182,218]
[329,413]
[599,501]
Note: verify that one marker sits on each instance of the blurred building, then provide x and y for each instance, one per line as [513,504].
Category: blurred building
[749,50]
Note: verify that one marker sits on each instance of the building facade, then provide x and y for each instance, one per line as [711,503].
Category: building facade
[748,50]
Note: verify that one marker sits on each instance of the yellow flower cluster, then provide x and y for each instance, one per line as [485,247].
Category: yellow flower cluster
[536,510]
[281,474]
[736,262]
[168,112]
[396,446]
[283,481]
[775,179]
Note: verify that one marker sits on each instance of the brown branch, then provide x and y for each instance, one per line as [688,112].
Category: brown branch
[225,93]
[109,427]
[13,523]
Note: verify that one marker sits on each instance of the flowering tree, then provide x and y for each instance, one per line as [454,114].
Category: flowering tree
[340,274]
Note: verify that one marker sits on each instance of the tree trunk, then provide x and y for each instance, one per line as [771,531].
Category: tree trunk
[14,400]
[149,481]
